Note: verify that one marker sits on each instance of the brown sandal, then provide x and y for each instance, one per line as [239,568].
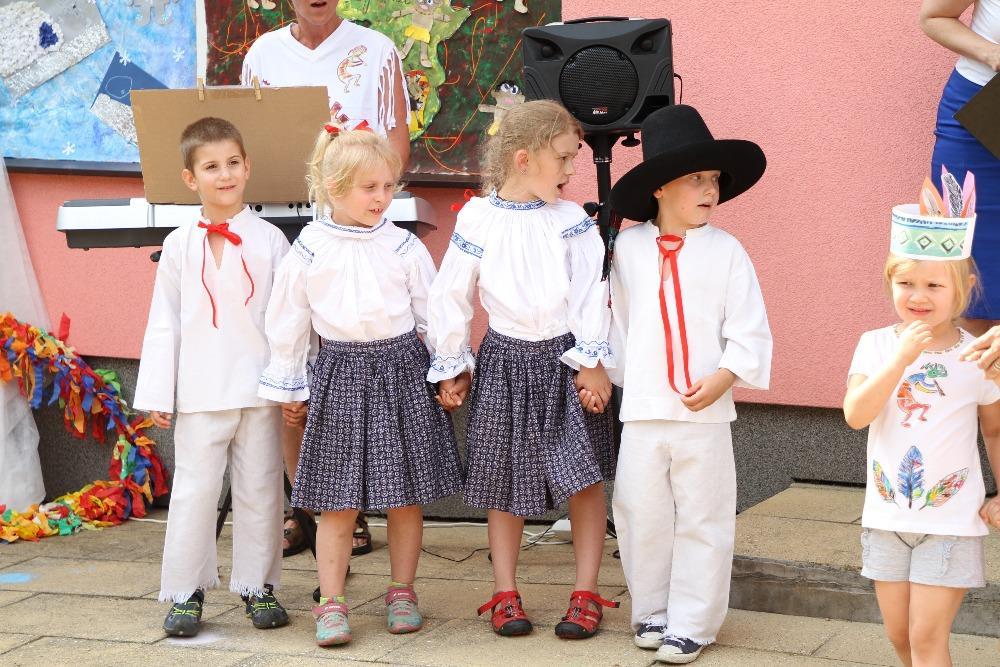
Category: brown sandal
[294,535]
[361,532]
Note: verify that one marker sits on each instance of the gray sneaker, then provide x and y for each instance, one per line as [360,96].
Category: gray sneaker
[649,635]
[678,650]
[184,618]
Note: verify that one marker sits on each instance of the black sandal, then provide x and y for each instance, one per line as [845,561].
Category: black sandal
[295,536]
[361,532]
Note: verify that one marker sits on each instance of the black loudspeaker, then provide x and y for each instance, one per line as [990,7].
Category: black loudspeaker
[609,72]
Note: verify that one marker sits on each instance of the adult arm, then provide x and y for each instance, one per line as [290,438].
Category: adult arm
[939,19]
[985,351]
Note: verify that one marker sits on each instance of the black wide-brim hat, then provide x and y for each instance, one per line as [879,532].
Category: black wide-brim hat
[676,142]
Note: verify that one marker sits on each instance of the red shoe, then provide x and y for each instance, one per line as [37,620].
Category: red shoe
[581,620]
[509,619]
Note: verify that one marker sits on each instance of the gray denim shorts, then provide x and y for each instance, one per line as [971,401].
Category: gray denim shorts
[932,560]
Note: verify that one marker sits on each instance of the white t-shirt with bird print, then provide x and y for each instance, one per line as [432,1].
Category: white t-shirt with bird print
[924,472]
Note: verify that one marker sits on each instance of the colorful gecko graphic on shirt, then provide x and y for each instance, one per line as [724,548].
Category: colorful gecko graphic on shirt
[925,382]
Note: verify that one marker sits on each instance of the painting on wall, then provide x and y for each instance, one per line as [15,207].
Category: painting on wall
[67,68]
[461,61]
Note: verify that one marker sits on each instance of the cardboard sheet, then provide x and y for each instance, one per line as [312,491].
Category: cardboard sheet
[279,131]
[981,116]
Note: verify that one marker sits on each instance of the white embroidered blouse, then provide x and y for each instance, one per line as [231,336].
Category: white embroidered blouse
[349,283]
[538,269]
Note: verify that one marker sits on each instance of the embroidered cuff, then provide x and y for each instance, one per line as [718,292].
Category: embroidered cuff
[283,389]
[447,367]
[588,353]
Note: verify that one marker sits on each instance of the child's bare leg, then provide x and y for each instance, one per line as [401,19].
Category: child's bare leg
[405,531]
[932,611]
[333,550]
[589,517]
[894,603]
[505,531]
[291,443]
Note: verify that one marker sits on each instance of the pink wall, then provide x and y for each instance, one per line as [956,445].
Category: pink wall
[841,96]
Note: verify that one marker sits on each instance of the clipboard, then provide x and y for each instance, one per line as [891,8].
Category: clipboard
[981,116]
[279,128]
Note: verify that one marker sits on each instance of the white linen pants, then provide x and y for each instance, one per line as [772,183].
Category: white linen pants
[249,439]
[675,514]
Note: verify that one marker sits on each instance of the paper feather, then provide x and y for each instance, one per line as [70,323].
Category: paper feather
[951,193]
[969,195]
[930,200]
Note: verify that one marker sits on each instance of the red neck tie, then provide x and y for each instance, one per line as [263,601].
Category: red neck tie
[222,229]
[669,246]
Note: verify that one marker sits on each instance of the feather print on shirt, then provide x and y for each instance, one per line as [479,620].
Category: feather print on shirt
[943,491]
[910,479]
[882,483]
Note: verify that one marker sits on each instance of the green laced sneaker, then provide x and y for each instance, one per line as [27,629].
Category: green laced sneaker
[265,611]
[184,618]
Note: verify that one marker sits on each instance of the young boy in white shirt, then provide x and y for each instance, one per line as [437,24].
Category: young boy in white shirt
[205,347]
[686,306]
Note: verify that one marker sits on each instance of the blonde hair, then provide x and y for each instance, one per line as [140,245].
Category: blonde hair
[959,270]
[530,126]
[207,130]
[339,156]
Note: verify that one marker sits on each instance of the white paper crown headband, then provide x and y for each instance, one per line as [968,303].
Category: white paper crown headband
[937,228]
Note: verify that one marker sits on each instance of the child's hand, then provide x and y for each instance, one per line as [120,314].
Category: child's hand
[707,390]
[990,512]
[452,392]
[913,340]
[594,388]
[294,413]
[160,419]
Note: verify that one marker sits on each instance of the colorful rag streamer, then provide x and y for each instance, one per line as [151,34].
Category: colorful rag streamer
[29,355]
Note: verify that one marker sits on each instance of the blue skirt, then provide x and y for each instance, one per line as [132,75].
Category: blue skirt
[959,151]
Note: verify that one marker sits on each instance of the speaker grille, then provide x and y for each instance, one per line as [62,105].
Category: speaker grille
[598,85]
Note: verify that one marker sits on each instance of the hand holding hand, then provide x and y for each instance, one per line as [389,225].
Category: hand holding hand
[990,512]
[160,419]
[707,390]
[985,351]
[452,392]
[294,413]
[594,388]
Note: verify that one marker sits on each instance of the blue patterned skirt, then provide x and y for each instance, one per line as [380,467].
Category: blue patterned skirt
[959,151]
[375,438]
[530,443]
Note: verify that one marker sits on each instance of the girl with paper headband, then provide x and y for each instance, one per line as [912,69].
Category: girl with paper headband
[923,521]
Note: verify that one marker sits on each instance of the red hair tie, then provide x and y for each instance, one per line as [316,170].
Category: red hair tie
[331,129]
[467,195]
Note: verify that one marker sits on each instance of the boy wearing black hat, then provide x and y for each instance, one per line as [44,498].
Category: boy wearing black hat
[688,324]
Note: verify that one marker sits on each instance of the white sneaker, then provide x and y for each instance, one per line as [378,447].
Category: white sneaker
[649,636]
[678,650]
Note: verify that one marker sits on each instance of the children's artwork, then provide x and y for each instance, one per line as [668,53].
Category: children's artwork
[67,70]
[461,63]
[910,482]
[908,398]
[43,38]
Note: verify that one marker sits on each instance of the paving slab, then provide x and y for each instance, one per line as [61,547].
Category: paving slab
[12,554]
[836,545]
[465,643]
[64,652]
[10,597]
[9,641]
[304,661]
[232,631]
[140,541]
[867,643]
[83,577]
[725,656]
[124,619]
[814,502]
[777,632]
